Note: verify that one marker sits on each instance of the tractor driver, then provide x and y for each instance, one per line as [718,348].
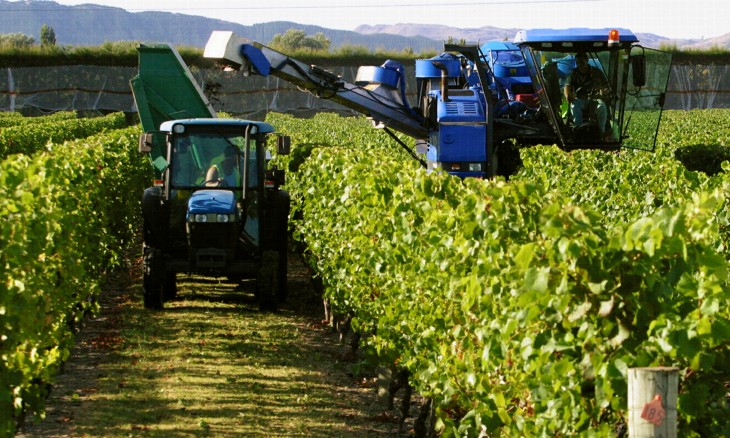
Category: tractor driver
[586,86]
[230,168]
[225,174]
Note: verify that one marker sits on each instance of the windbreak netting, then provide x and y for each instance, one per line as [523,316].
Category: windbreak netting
[698,87]
[107,89]
[70,87]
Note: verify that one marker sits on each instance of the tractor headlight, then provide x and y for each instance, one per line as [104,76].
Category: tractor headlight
[475,167]
[211,218]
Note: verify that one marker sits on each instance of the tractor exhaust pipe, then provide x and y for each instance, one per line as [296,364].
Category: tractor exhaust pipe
[444,80]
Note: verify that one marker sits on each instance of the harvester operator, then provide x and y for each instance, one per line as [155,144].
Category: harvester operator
[586,89]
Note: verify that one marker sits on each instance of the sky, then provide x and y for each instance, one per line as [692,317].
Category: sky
[677,19]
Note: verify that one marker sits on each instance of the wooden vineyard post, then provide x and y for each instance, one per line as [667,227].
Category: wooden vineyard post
[653,402]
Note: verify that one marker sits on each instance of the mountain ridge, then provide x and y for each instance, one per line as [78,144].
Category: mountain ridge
[487,33]
[91,24]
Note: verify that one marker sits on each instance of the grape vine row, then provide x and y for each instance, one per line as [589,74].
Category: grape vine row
[66,213]
[519,306]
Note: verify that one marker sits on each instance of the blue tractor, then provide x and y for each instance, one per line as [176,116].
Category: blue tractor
[216,207]
[475,106]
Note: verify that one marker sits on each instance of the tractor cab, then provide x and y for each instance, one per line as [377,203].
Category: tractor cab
[615,98]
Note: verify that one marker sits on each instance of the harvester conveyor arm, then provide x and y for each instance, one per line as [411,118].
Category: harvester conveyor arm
[250,56]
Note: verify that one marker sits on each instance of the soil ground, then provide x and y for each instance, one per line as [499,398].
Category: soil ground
[212,364]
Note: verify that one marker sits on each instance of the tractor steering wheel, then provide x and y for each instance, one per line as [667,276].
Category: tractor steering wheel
[213,176]
[209,183]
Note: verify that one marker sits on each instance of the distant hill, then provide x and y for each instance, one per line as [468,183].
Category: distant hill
[92,25]
[440,32]
[707,43]
[487,33]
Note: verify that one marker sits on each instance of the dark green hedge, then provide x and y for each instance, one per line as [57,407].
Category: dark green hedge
[194,57]
[705,158]
[88,56]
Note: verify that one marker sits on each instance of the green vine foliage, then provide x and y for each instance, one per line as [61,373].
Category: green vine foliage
[28,135]
[65,215]
[519,306]
[10,119]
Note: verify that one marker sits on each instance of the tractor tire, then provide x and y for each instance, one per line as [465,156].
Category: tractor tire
[169,287]
[152,279]
[281,242]
[153,217]
[508,159]
[283,292]
[267,281]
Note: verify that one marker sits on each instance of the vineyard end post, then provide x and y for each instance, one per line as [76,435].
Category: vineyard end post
[653,402]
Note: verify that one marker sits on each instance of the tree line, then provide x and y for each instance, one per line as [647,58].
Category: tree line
[315,48]
[23,41]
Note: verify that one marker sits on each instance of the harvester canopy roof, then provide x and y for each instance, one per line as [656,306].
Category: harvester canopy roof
[573,35]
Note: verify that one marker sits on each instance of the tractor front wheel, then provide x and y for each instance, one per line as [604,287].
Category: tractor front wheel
[283,291]
[153,278]
[267,281]
[169,287]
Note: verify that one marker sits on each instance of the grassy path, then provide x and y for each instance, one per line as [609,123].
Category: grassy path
[211,364]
